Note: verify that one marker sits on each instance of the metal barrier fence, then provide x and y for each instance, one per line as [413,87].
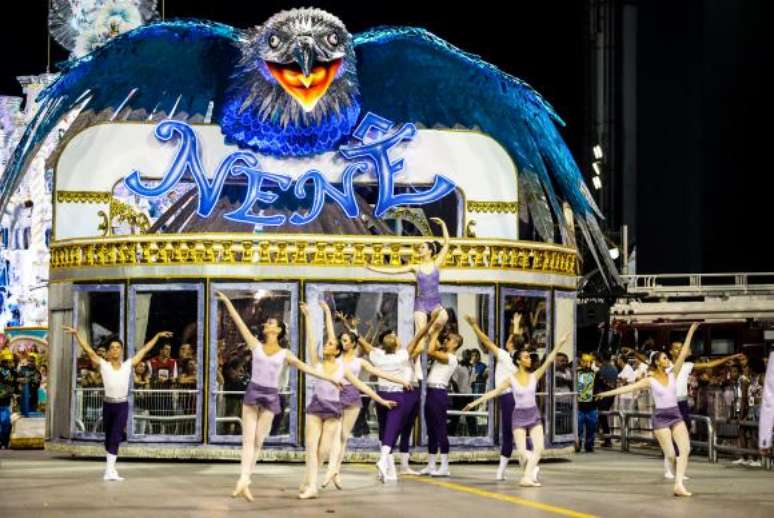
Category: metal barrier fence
[701,425]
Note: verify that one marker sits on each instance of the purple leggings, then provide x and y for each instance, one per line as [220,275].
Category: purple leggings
[506,433]
[411,402]
[114,417]
[436,405]
[390,420]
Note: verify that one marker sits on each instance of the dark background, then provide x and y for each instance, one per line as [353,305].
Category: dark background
[702,173]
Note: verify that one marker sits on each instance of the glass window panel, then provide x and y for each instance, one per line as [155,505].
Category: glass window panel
[98,315]
[232,360]
[165,403]
[564,422]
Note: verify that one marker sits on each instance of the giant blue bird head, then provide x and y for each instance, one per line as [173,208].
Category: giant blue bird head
[295,88]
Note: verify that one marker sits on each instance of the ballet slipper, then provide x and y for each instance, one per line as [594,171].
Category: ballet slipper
[527,482]
[309,493]
[681,491]
[243,490]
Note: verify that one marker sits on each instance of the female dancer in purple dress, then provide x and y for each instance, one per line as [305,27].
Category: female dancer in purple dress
[323,414]
[261,401]
[504,368]
[350,394]
[668,423]
[526,416]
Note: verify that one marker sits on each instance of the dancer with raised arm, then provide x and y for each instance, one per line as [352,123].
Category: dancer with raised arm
[350,394]
[504,368]
[668,423]
[261,401]
[526,416]
[437,400]
[116,373]
[323,414]
[397,361]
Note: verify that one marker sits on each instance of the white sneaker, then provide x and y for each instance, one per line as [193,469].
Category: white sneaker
[535,473]
[441,472]
[427,470]
[391,475]
[740,462]
[112,476]
[500,474]
[406,470]
[382,470]
[755,464]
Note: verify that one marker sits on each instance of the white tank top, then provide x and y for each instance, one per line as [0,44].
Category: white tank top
[354,366]
[664,397]
[397,364]
[116,382]
[441,373]
[267,369]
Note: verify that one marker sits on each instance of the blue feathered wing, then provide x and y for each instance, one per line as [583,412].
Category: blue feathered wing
[153,71]
[410,75]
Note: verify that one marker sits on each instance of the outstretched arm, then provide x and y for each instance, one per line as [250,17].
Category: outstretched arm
[414,347]
[365,389]
[137,358]
[489,395]
[432,348]
[247,336]
[639,385]
[328,319]
[540,371]
[716,363]
[84,344]
[440,258]
[685,350]
[311,340]
[293,361]
[391,270]
[370,369]
[628,350]
[482,337]
[364,344]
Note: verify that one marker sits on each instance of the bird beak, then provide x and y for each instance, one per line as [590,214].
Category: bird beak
[306,80]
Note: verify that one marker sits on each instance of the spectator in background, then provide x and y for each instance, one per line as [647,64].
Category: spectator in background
[607,379]
[7,391]
[141,385]
[234,380]
[626,376]
[163,367]
[587,410]
[563,374]
[29,381]
[186,352]
[479,372]
[461,383]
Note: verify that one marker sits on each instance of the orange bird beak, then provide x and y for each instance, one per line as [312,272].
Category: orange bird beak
[306,89]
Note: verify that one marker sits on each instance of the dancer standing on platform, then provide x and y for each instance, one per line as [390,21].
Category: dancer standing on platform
[261,401]
[323,414]
[504,369]
[437,400]
[427,302]
[397,361]
[350,394]
[115,373]
[668,423]
[526,416]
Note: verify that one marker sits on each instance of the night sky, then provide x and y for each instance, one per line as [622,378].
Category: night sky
[704,185]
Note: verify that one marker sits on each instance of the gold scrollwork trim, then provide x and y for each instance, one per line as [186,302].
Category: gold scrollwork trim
[498,207]
[83,197]
[121,212]
[308,250]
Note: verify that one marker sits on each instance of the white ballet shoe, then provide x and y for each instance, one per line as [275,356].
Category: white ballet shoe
[242,489]
[681,491]
[382,470]
[309,493]
[526,482]
[535,473]
[406,470]
[333,477]
[500,475]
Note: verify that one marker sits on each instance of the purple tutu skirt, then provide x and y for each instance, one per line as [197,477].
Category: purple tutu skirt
[666,417]
[350,397]
[525,417]
[324,408]
[264,397]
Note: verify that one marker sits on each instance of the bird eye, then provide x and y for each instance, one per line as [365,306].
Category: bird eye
[274,41]
[333,39]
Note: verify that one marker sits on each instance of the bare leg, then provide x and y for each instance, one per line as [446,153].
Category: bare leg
[330,445]
[314,427]
[683,440]
[664,437]
[420,320]
[348,419]
[520,438]
[249,425]
[262,429]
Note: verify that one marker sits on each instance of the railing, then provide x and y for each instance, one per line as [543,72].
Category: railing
[700,283]
[711,445]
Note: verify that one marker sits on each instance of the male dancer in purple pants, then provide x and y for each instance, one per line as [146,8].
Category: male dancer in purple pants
[397,361]
[115,378]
